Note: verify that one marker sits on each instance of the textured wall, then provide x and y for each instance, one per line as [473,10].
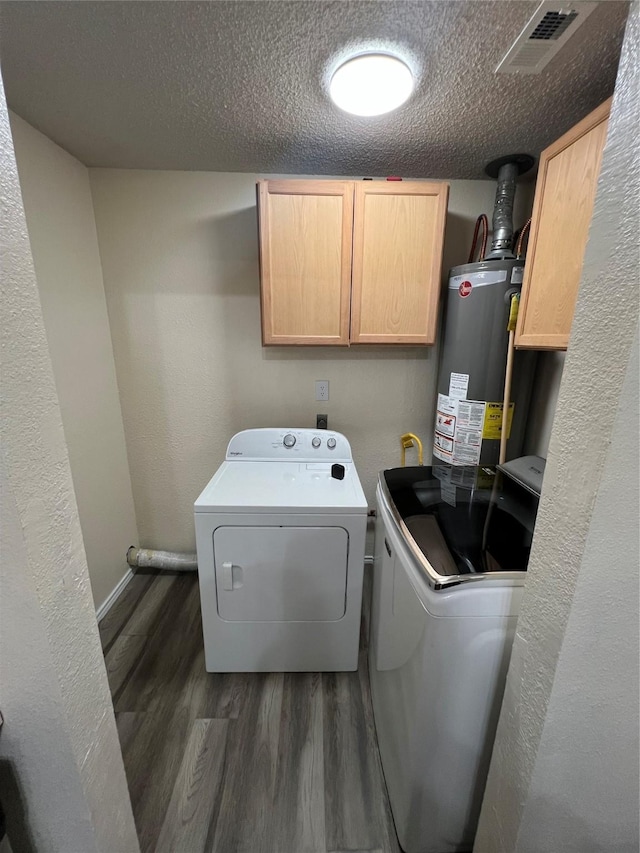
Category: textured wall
[52,811]
[59,747]
[62,233]
[565,546]
[180,264]
[583,796]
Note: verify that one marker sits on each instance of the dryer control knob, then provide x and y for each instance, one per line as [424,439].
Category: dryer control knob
[289,440]
[331,443]
[316,442]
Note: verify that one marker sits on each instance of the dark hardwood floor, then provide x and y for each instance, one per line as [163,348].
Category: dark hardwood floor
[258,763]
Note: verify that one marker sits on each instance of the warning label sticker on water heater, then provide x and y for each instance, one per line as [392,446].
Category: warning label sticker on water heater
[493,421]
[458,385]
[458,434]
[445,424]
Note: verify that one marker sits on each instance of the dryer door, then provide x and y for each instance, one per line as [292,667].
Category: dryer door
[281,574]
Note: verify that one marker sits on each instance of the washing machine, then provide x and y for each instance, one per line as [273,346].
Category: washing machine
[280,533]
[452,547]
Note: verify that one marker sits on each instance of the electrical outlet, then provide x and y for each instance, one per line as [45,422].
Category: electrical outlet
[322,390]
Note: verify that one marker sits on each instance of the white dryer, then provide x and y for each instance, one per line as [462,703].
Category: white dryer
[280,533]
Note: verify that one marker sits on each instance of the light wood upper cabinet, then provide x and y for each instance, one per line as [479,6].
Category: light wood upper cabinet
[305,261]
[398,234]
[334,275]
[562,210]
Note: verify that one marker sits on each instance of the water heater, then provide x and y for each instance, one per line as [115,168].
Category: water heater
[475,343]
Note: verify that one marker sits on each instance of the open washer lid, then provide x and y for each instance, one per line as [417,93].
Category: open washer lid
[462,523]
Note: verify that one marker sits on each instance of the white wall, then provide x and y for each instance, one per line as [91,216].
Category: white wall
[61,771]
[564,771]
[180,262]
[58,206]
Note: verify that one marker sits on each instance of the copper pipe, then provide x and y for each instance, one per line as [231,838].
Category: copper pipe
[485,235]
[481,220]
[473,242]
[523,232]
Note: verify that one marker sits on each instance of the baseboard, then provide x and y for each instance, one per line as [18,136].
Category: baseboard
[113,596]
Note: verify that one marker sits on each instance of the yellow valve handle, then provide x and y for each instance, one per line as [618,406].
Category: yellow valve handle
[513,312]
[406,441]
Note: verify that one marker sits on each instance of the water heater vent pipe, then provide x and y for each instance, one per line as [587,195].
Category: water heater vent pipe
[506,170]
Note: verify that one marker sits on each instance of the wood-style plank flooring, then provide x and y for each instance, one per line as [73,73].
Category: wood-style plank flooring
[253,763]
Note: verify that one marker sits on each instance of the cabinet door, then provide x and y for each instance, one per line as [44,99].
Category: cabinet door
[562,210]
[305,261]
[397,260]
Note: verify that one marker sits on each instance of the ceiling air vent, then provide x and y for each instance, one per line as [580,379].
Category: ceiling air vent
[551,26]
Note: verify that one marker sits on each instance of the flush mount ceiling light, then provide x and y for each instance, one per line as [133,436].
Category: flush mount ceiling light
[371,84]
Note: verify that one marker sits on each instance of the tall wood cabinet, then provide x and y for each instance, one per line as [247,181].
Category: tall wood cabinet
[562,210]
[350,262]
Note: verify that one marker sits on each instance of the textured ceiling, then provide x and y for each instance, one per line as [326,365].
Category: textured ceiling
[241,86]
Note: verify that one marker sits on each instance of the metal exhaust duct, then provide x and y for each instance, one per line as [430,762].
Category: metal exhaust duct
[506,170]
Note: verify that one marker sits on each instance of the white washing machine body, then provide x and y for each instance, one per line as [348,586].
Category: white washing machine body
[439,653]
[280,541]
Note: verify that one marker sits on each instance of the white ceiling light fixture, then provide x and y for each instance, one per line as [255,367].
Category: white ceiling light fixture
[371,84]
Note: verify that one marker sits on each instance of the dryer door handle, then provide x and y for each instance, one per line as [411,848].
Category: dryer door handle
[227,576]
[231,576]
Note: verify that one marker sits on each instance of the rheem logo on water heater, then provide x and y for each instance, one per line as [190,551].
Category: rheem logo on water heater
[465,288]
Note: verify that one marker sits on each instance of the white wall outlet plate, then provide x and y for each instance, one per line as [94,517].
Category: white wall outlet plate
[322,389]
